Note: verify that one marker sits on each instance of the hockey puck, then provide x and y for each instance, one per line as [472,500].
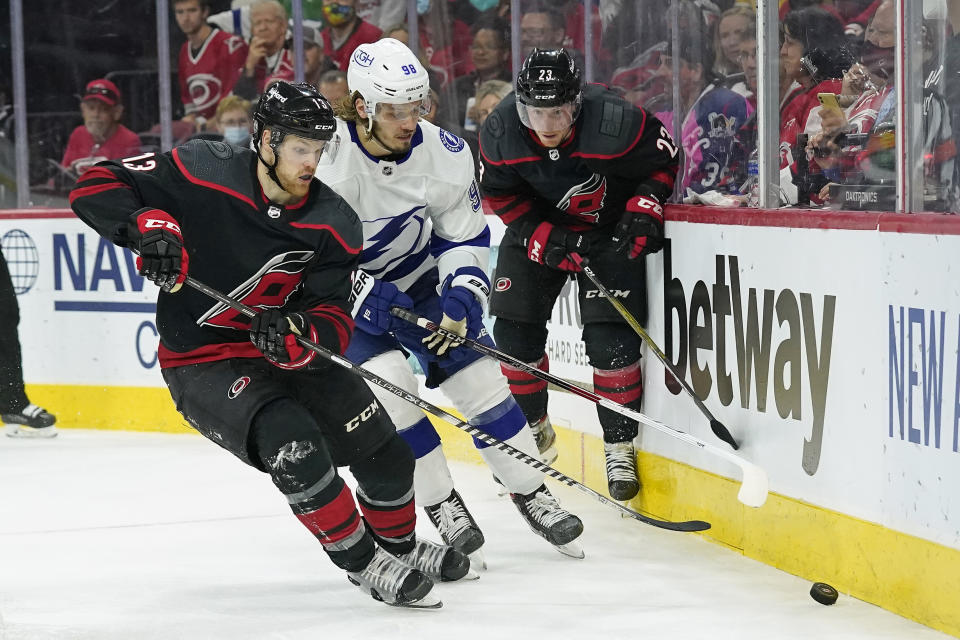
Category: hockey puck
[823,593]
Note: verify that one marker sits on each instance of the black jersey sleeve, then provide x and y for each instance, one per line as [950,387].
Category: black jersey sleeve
[504,190]
[107,194]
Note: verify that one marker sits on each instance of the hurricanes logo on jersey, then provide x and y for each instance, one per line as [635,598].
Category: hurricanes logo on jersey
[585,200]
[269,288]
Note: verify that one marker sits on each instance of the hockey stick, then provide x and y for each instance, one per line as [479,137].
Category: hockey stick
[718,429]
[753,490]
[690,525]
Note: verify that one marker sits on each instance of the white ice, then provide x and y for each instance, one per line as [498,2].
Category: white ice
[111,535]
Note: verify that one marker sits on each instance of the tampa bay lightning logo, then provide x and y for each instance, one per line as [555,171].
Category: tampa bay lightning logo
[474,194]
[362,58]
[395,249]
[450,141]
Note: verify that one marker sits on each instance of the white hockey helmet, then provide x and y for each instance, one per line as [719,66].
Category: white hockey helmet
[387,72]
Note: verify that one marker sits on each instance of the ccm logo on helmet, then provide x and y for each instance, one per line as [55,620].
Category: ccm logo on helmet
[365,415]
[238,385]
[362,58]
[153,223]
[503,284]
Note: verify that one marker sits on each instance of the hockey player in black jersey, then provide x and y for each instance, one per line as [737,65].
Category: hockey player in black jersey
[261,228]
[575,169]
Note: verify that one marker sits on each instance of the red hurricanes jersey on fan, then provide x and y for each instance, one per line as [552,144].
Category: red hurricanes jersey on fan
[297,257]
[209,75]
[362,34]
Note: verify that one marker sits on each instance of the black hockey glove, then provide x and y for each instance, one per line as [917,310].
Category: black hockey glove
[275,333]
[640,230]
[551,245]
[162,257]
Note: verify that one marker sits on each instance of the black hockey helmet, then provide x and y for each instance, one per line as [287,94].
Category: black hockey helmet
[291,108]
[548,78]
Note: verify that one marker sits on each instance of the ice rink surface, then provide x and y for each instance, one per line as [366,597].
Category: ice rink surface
[110,536]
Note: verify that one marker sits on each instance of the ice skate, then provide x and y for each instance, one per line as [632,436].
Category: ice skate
[546,439]
[621,459]
[390,580]
[30,422]
[550,521]
[455,524]
[439,561]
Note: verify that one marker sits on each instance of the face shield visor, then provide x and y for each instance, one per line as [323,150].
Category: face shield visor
[548,119]
[295,151]
[390,114]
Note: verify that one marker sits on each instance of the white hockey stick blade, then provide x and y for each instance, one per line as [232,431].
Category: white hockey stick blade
[754,489]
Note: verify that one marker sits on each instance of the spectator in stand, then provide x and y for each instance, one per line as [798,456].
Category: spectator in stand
[490,53]
[488,96]
[101,136]
[268,59]
[21,417]
[382,13]
[711,115]
[541,27]
[234,122]
[345,31]
[210,61]
[804,31]
[573,38]
[735,23]
[333,85]
[445,43]
[315,61]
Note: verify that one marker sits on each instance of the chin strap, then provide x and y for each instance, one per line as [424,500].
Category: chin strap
[271,168]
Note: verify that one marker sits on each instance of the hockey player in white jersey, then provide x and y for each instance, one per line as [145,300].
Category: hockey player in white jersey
[426,248]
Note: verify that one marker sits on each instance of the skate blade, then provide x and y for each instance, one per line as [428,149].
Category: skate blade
[573,549]
[23,431]
[428,601]
[477,561]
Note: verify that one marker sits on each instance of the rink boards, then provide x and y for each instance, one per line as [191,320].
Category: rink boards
[828,345]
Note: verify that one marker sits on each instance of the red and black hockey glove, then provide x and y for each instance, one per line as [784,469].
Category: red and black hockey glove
[640,230]
[162,257]
[551,245]
[275,333]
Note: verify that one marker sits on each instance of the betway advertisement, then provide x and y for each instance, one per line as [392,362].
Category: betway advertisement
[830,354]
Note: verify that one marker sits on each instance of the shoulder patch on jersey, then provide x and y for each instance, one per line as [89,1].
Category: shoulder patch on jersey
[474,194]
[220,150]
[611,120]
[494,125]
[451,142]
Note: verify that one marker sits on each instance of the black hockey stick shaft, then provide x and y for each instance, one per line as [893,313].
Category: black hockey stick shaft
[715,425]
[691,525]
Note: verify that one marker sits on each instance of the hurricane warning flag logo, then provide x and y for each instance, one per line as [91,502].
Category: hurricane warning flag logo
[586,199]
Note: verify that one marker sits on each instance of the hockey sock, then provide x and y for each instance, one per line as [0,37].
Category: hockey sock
[289,447]
[529,391]
[625,386]
[506,422]
[385,495]
[432,480]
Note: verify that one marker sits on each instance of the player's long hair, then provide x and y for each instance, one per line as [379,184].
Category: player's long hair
[346,108]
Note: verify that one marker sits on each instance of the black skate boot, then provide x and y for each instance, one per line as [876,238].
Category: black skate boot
[550,521]
[390,580]
[621,460]
[439,561]
[455,524]
[30,422]
[546,439]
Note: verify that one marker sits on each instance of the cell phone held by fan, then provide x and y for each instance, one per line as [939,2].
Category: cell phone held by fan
[829,101]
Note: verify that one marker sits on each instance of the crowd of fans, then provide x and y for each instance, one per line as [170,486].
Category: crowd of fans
[837,94]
